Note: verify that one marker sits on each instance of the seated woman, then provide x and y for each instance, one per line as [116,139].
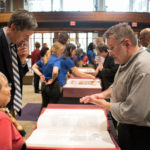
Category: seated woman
[67,64]
[10,138]
[108,69]
[47,68]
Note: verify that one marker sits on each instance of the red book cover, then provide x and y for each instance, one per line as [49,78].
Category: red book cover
[72,127]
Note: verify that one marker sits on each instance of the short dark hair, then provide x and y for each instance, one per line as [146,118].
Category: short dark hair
[102,48]
[37,45]
[63,37]
[22,19]
[91,46]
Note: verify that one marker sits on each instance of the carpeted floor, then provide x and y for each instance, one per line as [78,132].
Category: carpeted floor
[30,112]
[29,97]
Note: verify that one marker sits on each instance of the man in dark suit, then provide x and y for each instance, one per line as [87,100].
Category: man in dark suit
[20,26]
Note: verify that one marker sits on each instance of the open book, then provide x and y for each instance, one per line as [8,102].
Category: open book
[80,87]
[86,70]
[71,128]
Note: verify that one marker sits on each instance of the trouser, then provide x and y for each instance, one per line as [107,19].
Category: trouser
[132,137]
[50,93]
[36,82]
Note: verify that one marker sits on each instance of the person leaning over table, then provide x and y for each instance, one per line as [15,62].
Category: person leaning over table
[10,138]
[67,65]
[48,68]
[129,95]
[20,26]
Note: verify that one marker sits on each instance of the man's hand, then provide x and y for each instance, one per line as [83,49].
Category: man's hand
[23,51]
[88,99]
[95,99]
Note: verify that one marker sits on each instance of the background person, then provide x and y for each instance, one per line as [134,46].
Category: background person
[10,138]
[91,55]
[108,69]
[48,68]
[35,56]
[145,38]
[63,38]
[20,26]
[44,49]
[67,65]
[129,94]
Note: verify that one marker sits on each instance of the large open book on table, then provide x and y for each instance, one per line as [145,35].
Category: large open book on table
[80,87]
[66,128]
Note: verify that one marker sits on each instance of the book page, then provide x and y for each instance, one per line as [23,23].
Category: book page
[86,70]
[83,83]
[76,128]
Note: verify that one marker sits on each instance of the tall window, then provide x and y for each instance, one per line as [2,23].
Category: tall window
[56,5]
[78,5]
[117,5]
[48,38]
[139,5]
[59,5]
[37,5]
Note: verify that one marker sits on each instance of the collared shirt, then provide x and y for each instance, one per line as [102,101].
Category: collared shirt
[131,91]
[7,38]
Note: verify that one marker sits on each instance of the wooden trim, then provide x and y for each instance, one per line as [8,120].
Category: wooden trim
[85,16]
[85,21]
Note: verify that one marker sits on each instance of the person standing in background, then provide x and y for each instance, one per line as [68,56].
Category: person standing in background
[67,65]
[35,56]
[47,68]
[14,51]
[145,38]
[63,38]
[91,55]
[44,49]
[108,69]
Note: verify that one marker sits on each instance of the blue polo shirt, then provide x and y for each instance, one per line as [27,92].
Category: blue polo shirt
[90,54]
[47,69]
[66,65]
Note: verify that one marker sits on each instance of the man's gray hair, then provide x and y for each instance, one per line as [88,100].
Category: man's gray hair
[22,19]
[121,31]
[2,76]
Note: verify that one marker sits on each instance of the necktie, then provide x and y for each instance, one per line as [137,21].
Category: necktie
[17,101]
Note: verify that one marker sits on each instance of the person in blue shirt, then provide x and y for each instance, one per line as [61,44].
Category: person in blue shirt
[48,68]
[67,65]
[91,55]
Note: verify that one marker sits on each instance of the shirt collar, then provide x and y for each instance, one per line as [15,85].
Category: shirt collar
[7,38]
[131,59]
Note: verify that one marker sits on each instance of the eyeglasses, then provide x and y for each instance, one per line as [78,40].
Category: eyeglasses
[113,47]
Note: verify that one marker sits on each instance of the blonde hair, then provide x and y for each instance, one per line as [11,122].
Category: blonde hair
[56,49]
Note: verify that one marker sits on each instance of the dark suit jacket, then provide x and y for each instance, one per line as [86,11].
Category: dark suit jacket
[108,72]
[6,65]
